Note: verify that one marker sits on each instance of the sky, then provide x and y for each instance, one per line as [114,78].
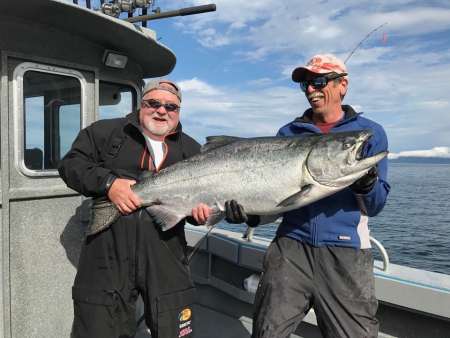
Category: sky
[234,65]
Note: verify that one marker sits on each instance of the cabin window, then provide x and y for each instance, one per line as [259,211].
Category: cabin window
[116,100]
[48,116]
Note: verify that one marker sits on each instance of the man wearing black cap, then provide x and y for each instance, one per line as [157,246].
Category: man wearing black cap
[321,256]
[133,256]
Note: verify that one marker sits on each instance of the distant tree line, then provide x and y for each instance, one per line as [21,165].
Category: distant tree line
[430,160]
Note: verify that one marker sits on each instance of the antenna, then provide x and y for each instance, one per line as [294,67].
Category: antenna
[363,41]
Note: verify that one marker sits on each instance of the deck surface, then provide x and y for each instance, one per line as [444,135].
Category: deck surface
[213,324]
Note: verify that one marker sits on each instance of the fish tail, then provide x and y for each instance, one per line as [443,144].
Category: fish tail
[103,214]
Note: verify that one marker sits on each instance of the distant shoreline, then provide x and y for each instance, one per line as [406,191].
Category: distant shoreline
[423,160]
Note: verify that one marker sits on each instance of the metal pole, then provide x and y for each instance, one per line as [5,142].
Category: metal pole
[169,14]
[383,252]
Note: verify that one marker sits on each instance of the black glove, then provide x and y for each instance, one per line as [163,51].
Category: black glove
[235,214]
[365,184]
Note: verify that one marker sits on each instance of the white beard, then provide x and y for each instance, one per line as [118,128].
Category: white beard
[160,131]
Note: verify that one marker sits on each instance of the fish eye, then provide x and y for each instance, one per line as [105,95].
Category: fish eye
[347,146]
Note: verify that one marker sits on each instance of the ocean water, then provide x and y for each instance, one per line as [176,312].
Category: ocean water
[414,226]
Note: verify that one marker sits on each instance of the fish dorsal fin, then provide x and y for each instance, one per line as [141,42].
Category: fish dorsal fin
[145,174]
[213,142]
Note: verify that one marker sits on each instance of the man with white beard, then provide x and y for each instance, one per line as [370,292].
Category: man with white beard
[133,256]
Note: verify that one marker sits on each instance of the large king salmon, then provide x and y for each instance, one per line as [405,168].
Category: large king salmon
[266,175]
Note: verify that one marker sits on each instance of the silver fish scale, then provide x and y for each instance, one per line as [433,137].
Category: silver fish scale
[260,173]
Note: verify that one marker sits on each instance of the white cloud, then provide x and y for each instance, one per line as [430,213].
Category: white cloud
[236,110]
[401,84]
[198,86]
[245,86]
[443,152]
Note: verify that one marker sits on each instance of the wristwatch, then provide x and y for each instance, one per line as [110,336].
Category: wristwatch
[109,182]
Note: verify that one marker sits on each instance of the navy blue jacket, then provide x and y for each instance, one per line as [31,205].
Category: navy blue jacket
[342,218]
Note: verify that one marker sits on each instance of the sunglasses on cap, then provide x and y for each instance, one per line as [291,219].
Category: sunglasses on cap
[155,104]
[319,82]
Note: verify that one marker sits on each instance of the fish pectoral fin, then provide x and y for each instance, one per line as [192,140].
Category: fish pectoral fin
[215,217]
[165,218]
[297,197]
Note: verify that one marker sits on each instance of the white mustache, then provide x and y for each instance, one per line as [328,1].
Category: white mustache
[160,116]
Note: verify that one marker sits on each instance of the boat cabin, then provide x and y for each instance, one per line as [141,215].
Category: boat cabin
[63,66]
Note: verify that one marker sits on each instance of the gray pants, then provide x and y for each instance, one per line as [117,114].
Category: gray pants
[337,282]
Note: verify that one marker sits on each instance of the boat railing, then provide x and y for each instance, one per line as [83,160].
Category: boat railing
[248,235]
[383,253]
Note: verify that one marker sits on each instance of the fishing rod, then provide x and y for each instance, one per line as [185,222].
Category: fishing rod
[199,243]
[363,41]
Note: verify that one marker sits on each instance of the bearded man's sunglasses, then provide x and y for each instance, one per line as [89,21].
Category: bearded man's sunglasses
[155,104]
[319,82]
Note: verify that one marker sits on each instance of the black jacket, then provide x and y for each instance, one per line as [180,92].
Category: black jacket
[87,167]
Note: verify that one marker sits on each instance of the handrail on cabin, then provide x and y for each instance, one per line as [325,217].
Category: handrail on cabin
[249,236]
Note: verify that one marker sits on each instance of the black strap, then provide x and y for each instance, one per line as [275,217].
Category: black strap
[114,148]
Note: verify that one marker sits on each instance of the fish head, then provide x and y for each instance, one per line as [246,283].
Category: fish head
[337,160]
